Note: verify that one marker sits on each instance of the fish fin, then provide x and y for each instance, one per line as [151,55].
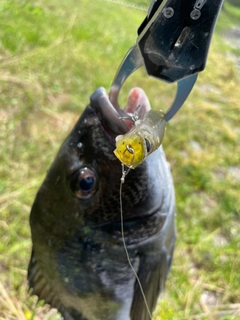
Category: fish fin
[152,274]
[38,286]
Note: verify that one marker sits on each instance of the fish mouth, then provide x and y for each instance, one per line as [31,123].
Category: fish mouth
[117,121]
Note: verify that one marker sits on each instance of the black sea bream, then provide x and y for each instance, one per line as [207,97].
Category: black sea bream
[78,262]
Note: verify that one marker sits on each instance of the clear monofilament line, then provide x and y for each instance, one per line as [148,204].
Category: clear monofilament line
[128,5]
[125,248]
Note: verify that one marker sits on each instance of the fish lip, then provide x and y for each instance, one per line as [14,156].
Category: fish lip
[107,113]
[111,116]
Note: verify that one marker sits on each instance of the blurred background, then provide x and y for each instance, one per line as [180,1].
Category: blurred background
[53,55]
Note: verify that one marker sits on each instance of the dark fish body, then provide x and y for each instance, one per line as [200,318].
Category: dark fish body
[78,262]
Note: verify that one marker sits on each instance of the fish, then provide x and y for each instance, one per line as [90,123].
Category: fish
[78,263]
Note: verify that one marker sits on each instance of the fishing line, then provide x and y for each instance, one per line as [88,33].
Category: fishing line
[124,173]
[127,4]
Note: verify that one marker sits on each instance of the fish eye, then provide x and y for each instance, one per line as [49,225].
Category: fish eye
[84,183]
[148,145]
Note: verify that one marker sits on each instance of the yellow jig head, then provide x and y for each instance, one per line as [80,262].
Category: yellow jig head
[144,138]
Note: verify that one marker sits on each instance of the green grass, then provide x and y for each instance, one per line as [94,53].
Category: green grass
[53,55]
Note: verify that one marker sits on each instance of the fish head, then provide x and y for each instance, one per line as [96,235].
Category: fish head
[82,187]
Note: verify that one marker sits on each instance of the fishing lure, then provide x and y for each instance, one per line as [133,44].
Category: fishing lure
[145,137]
